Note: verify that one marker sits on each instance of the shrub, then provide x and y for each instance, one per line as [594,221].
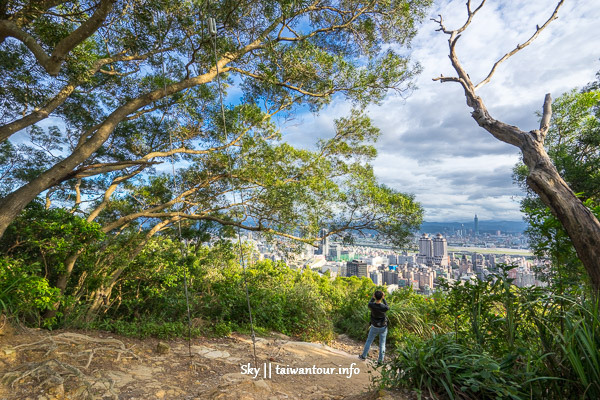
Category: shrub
[23,293]
[444,367]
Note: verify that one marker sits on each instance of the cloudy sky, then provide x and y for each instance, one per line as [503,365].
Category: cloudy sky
[430,146]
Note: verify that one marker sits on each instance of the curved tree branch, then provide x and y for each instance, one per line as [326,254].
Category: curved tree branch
[52,63]
[39,114]
[520,46]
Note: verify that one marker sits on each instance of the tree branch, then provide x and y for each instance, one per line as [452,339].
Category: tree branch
[286,85]
[546,115]
[53,62]
[111,189]
[521,46]
[37,115]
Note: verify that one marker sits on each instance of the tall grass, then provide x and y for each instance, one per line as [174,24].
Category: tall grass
[509,342]
[447,369]
[580,344]
[409,317]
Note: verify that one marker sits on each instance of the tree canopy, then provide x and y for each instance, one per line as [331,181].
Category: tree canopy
[100,94]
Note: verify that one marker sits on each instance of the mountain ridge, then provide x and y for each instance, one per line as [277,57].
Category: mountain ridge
[484,226]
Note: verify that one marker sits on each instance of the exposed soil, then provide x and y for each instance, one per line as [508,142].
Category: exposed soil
[42,365]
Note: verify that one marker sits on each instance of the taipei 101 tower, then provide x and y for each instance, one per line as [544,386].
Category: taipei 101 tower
[476,225]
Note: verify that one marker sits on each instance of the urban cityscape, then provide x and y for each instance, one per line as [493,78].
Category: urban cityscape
[462,255]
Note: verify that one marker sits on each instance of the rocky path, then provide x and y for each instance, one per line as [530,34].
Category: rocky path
[42,365]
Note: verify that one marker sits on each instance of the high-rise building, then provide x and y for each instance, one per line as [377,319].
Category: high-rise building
[440,250]
[406,259]
[476,225]
[477,259]
[343,270]
[376,277]
[425,278]
[356,268]
[324,243]
[335,252]
[390,277]
[425,250]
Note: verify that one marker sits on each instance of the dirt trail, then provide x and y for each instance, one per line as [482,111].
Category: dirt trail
[42,365]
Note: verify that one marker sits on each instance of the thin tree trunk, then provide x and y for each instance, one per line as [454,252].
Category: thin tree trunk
[63,279]
[102,295]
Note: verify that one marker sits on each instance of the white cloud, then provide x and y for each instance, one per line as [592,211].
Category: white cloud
[431,146]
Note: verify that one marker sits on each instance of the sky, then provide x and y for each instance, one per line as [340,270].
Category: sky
[430,146]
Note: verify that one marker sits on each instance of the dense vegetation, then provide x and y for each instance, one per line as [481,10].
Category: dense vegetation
[499,341]
[487,339]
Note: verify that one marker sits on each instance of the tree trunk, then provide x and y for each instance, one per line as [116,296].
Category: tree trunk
[102,295]
[63,279]
[578,221]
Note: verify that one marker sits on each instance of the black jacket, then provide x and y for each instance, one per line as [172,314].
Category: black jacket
[378,310]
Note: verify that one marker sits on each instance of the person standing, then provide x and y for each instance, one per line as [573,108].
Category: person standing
[379,323]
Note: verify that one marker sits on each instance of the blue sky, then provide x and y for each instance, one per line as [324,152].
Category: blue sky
[430,146]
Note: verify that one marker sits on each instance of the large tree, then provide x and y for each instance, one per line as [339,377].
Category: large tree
[106,84]
[543,177]
[573,145]
[261,185]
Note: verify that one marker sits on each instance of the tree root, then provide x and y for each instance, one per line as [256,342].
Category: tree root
[66,365]
[52,345]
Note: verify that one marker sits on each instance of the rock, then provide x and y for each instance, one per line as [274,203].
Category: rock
[160,394]
[216,354]
[384,394]
[201,349]
[279,335]
[8,351]
[162,348]
[236,377]
[262,386]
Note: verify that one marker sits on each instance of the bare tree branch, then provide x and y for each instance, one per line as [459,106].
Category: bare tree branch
[521,46]
[543,178]
[546,115]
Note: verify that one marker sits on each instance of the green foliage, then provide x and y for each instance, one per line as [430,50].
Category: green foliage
[24,293]
[47,237]
[447,369]
[124,103]
[495,340]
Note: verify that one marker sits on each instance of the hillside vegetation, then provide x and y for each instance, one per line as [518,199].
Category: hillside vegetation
[488,339]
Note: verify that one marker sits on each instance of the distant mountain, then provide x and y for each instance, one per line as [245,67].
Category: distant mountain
[484,226]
